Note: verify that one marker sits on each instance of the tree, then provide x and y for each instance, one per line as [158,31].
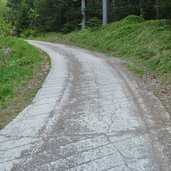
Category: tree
[22,22]
[165,9]
[65,15]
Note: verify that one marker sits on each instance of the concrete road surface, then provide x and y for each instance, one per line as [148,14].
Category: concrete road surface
[91,114]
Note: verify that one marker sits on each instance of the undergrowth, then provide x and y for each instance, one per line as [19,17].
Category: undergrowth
[19,62]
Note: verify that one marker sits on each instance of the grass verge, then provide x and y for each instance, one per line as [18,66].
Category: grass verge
[147,44]
[23,69]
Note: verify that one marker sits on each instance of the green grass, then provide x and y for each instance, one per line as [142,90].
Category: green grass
[147,44]
[21,65]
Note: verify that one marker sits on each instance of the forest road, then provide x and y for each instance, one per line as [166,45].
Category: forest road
[91,114]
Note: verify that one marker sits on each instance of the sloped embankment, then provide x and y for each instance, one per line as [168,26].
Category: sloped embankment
[22,71]
[147,44]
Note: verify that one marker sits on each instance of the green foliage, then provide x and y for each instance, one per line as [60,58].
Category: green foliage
[165,8]
[94,9]
[20,66]
[65,15]
[3,7]
[22,21]
[132,19]
[93,23]
[28,33]
[45,15]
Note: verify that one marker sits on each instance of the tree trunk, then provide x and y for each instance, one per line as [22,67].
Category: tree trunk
[83,6]
[157,9]
[105,12]
[141,8]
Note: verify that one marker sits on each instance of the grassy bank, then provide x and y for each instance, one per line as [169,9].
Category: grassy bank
[22,71]
[147,44]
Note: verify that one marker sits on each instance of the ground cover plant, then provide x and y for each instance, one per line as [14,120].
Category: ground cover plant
[19,64]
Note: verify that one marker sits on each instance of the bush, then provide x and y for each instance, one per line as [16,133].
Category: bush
[93,23]
[133,19]
[29,33]
[4,28]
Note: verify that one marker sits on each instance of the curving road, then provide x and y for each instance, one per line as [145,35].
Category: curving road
[91,114]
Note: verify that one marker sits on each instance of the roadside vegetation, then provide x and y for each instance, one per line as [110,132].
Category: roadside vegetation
[147,44]
[22,71]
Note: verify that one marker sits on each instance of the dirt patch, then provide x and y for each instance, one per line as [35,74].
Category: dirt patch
[161,89]
[25,93]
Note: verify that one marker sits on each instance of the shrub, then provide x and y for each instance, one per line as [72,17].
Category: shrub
[4,28]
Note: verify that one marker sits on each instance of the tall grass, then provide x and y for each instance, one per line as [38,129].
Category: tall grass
[23,69]
[19,66]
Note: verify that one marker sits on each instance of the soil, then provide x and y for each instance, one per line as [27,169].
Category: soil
[161,89]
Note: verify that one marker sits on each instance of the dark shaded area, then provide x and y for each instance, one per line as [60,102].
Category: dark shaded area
[65,15]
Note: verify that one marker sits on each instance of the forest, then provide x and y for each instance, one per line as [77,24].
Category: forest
[65,15]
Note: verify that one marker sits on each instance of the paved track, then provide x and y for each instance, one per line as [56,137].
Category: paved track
[91,114]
